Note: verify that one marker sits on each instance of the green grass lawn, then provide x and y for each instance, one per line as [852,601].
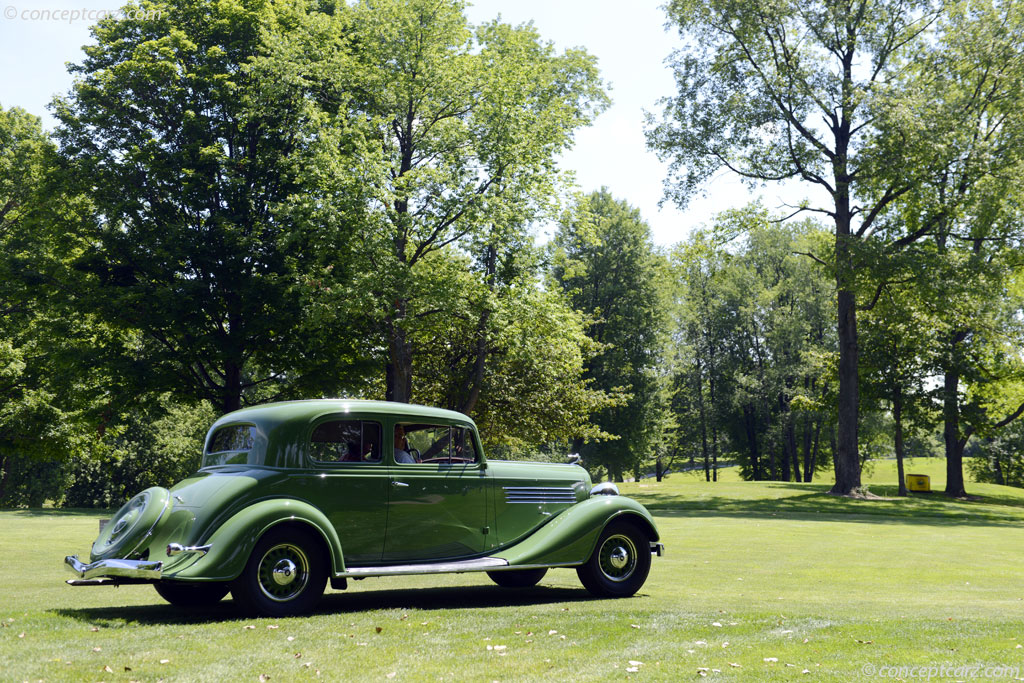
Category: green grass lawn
[759,582]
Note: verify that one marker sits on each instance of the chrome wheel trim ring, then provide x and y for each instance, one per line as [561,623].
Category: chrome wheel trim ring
[283,572]
[617,558]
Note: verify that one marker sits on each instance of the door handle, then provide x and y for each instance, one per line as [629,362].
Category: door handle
[400,484]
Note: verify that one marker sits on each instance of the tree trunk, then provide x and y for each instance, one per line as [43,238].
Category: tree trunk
[897,417]
[805,438]
[232,396]
[791,440]
[846,457]
[714,452]
[750,426]
[812,463]
[474,383]
[951,435]
[398,373]
[703,423]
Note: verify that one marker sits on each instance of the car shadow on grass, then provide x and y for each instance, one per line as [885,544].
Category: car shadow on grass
[337,602]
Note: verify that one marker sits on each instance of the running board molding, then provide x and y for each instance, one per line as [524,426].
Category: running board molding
[483,564]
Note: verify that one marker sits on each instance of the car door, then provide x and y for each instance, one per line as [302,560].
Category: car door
[348,480]
[437,502]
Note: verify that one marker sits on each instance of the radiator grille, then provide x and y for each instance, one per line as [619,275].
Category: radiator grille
[540,494]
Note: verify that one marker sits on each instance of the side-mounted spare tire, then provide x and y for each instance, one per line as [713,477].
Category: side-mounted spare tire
[130,527]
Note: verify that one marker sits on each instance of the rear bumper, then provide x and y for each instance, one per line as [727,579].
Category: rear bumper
[657,548]
[127,569]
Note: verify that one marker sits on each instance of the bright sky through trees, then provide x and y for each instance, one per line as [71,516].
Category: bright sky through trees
[630,45]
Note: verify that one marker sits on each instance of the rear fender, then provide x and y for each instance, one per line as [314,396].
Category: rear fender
[570,538]
[233,542]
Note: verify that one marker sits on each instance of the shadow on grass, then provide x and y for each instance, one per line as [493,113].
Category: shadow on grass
[448,597]
[811,502]
[57,512]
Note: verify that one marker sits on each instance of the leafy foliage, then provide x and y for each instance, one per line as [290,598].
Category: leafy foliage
[605,262]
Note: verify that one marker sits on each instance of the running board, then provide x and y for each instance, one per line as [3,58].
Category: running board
[482,564]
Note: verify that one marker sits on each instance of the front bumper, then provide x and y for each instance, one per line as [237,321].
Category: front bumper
[115,569]
[657,548]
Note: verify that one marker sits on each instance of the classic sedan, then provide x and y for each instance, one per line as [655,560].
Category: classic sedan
[293,495]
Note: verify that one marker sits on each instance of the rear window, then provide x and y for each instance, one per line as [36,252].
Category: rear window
[230,445]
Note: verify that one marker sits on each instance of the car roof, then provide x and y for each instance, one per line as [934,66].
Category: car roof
[286,411]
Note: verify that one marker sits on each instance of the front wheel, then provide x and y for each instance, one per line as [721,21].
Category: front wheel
[285,575]
[620,563]
[191,594]
[518,578]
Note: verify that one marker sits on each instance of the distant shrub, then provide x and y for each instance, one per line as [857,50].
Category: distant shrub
[156,447]
[1000,460]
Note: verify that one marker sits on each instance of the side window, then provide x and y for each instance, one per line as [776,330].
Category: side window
[422,443]
[433,444]
[463,449]
[346,441]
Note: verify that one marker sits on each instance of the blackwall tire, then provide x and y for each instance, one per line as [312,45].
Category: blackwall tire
[518,578]
[192,594]
[285,575]
[620,563]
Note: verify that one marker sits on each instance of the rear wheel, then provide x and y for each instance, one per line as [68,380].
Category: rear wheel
[620,563]
[285,575]
[191,594]
[518,578]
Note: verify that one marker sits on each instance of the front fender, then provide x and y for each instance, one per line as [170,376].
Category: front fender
[232,543]
[570,538]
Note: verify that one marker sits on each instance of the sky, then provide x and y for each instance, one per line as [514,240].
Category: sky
[629,41]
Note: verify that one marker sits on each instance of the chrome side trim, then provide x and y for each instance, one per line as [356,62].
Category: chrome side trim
[178,549]
[657,548]
[605,488]
[540,494]
[132,569]
[482,564]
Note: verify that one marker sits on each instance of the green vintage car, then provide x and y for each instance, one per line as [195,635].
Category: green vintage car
[293,495]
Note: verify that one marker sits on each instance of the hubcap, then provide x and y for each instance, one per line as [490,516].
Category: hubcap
[283,572]
[618,558]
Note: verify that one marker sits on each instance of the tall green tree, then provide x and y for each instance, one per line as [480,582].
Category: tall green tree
[963,215]
[219,209]
[32,419]
[813,92]
[753,343]
[605,261]
[468,123]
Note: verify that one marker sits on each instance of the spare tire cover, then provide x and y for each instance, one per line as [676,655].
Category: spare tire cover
[130,527]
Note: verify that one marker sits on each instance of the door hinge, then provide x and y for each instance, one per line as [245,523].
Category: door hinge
[486,530]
